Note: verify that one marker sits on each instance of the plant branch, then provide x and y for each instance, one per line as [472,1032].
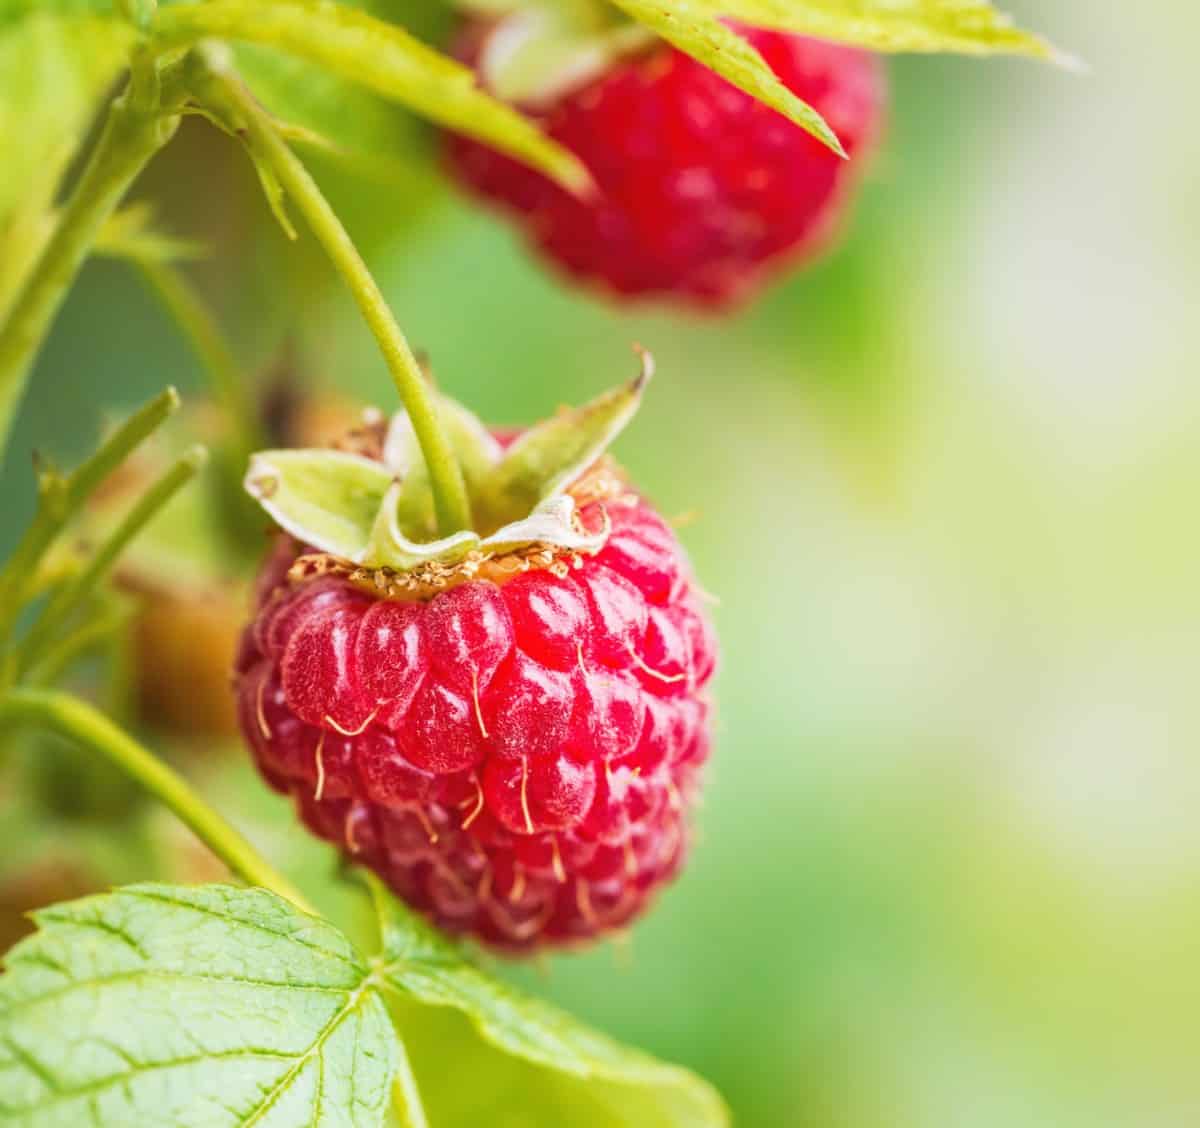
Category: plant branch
[132,135]
[224,94]
[75,594]
[77,721]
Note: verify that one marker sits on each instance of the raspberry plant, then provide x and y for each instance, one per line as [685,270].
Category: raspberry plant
[488,632]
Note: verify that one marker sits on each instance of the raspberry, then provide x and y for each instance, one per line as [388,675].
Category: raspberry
[702,191]
[516,758]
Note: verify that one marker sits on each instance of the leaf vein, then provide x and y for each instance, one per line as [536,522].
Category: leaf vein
[101,925]
[291,937]
[162,973]
[31,1063]
[94,1088]
[281,1085]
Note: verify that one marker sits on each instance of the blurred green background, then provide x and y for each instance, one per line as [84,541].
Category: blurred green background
[944,486]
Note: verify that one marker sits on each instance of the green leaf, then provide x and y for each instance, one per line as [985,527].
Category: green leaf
[549,456]
[326,498]
[592,1078]
[694,27]
[971,27]
[56,60]
[216,1005]
[53,70]
[202,1006]
[382,57]
[322,105]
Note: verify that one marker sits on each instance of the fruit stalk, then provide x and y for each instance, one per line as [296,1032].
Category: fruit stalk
[79,722]
[132,135]
[228,97]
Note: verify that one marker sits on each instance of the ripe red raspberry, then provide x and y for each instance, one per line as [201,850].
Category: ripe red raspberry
[702,191]
[515,757]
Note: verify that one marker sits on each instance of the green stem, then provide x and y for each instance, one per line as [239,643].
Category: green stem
[228,97]
[61,498]
[131,136]
[75,594]
[77,721]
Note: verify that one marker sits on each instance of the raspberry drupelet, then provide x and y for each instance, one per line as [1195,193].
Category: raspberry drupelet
[702,193]
[513,745]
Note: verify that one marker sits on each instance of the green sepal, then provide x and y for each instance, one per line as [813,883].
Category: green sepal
[552,454]
[326,498]
[474,446]
[379,514]
[389,547]
[552,522]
